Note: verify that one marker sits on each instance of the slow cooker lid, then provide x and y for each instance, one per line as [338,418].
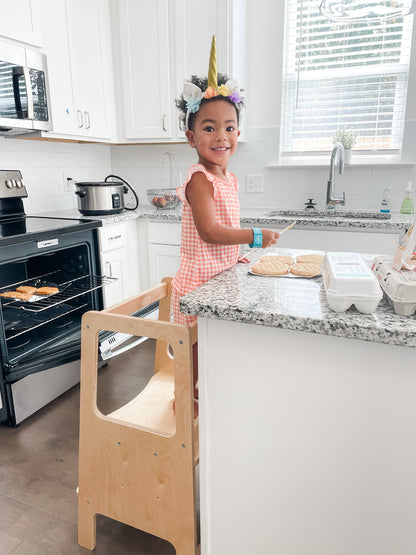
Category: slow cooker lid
[98,183]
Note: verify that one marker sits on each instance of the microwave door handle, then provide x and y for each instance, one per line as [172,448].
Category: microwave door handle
[29,92]
[17,73]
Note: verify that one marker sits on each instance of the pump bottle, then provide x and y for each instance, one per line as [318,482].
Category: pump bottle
[407,204]
[385,203]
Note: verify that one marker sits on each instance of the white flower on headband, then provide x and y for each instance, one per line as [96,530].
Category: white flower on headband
[193,96]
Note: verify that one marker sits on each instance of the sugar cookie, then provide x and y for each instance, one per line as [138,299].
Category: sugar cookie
[305,269]
[267,267]
[312,258]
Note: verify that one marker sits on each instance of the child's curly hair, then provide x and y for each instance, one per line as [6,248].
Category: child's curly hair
[202,83]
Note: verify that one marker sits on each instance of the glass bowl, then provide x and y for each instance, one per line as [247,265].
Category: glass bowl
[163,199]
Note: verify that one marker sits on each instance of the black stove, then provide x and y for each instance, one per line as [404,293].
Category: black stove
[17,227]
[40,336]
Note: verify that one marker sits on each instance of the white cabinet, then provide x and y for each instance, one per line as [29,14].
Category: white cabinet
[162,43]
[145,66]
[119,257]
[164,261]
[21,20]
[81,82]
[338,239]
[164,251]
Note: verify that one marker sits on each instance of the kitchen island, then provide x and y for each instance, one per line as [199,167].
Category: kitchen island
[307,420]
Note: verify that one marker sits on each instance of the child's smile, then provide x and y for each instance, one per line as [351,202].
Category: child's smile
[215,135]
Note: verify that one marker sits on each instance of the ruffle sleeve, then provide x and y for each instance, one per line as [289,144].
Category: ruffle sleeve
[181,190]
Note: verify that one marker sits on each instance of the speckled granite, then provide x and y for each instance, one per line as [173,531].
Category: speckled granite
[293,303]
[259,216]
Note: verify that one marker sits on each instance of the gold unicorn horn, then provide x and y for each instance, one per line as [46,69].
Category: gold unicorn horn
[212,71]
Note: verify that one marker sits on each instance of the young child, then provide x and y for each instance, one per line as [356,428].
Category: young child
[211,233]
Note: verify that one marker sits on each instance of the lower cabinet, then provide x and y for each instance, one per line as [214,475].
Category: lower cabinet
[337,240]
[164,251]
[341,240]
[119,257]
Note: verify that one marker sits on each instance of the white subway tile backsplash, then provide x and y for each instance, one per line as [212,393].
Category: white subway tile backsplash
[44,164]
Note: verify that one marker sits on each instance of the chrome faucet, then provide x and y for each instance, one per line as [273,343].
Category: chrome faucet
[172,162]
[331,198]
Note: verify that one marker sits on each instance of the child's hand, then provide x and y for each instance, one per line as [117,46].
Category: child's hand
[243,259]
[269,237]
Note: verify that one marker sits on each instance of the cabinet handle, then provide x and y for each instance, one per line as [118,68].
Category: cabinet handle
[108,269]
[79,116]
[87,120]
[114,237]
[164,122]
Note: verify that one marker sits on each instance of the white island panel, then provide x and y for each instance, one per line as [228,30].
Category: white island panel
[308,443]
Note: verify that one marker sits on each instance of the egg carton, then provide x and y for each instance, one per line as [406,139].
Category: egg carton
[399,286]
[349,281]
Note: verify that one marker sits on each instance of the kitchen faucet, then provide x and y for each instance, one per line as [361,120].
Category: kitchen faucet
[331,198]
[172,163]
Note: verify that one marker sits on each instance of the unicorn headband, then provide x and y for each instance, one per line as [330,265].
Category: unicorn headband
[193,95]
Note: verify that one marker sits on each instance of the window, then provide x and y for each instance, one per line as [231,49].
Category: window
[349,75]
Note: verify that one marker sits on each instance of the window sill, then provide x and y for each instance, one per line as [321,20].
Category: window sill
[319,163]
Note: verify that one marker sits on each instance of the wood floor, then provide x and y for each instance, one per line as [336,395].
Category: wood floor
[39,473]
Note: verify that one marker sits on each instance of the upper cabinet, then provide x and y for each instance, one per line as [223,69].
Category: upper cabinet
[145,68]
[80,64]
[21,20]
[162,43]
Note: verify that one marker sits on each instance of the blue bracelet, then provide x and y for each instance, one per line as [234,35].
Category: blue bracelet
[257,238]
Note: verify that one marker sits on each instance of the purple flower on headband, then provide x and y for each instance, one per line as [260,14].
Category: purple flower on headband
[235,96]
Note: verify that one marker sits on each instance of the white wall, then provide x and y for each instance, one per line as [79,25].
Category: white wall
[44,163]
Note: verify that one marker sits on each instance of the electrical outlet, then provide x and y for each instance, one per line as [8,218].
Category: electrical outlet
[254,183]
[68,182]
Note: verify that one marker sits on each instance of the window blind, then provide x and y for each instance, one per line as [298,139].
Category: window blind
[351,76]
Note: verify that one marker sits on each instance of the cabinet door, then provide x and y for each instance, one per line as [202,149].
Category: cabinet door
[59,67]
[336,240]
[145,65]
[225,19]
[21,20]
[112,265]
[164,261]
[91,65]
[79,67]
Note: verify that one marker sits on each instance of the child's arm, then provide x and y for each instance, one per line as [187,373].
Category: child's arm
[200,195]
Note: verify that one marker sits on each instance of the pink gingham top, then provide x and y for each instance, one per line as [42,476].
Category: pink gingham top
[201,261]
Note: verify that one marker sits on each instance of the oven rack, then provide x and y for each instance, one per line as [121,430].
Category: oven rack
[67,291]
[12,334]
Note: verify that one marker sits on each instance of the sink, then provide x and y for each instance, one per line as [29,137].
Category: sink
[362,214]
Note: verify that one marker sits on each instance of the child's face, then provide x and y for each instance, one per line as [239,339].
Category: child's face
[215,133]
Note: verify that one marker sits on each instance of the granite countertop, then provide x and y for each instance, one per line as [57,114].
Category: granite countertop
[293,303]
[263,217]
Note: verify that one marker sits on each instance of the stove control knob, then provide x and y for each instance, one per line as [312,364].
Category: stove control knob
[10,183]
[19,183]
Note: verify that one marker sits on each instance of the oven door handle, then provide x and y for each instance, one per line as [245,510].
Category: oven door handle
[105,355]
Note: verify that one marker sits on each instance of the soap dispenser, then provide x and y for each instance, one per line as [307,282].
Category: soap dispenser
[385,203]
[407,204]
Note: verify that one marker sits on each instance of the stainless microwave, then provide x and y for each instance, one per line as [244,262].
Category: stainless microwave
[24,91]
